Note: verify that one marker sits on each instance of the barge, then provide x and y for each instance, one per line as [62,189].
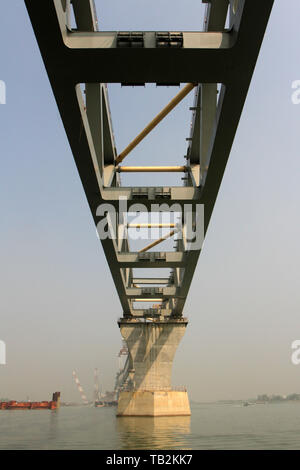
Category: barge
[32,405]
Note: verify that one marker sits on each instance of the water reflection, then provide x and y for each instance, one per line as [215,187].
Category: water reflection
[53,425]
[162,432]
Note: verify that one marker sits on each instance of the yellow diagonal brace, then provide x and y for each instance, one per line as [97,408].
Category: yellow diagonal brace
[179,97]
[156,242]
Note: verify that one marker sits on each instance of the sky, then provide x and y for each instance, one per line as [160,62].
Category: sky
[58,305]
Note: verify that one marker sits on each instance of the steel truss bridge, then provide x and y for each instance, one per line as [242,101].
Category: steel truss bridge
[216,64]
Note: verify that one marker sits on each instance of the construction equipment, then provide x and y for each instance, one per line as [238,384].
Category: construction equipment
[80,389]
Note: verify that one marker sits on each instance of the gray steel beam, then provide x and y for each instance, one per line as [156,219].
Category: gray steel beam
[136,65]
[211,57]
[156,260]
[193,152]
[215,14]
[85,15]
[149,280]
[94,109]
[108,40]
[149,293]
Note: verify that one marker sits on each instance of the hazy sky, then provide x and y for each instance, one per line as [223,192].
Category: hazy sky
[58,304]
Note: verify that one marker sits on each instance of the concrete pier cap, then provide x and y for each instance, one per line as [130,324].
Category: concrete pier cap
[152,346]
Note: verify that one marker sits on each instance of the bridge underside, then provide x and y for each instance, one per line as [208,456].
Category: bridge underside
[217,63]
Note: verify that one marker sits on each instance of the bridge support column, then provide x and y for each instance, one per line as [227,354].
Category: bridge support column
[148,391]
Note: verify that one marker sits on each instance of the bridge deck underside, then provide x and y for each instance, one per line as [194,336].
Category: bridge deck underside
[217,55]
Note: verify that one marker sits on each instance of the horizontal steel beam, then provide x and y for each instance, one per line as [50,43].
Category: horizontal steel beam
[151,225]
[164,293]
[151,169]
[210,64]
[109,40]
[156,260]
[150,280]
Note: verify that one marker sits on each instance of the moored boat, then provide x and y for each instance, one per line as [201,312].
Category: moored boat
[32,405]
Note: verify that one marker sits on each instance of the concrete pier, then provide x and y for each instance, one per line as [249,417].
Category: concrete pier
[152,346]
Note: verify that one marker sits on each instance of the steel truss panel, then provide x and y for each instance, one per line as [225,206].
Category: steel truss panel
[217,59]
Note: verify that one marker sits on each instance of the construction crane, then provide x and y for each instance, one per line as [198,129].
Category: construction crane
[123,372]
[97,394]
[122,353]
[121,377]
[80,389]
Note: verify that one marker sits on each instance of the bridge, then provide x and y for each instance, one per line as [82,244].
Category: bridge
[216,65]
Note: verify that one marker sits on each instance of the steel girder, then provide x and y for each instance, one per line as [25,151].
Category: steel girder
[84,55]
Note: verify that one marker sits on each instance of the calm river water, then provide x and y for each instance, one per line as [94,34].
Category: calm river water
[211,426]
